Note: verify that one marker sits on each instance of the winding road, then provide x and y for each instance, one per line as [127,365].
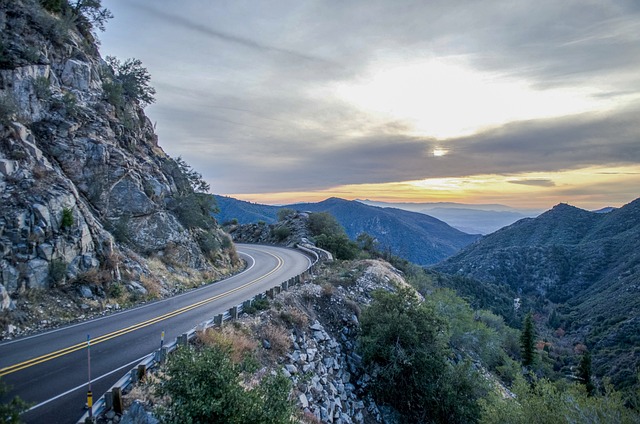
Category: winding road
[50,370]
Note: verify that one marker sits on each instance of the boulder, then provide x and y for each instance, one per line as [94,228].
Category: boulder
[37,273]
[9,276]
[138,415]
[77,74]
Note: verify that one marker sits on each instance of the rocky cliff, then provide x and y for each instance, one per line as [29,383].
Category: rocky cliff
[89,202]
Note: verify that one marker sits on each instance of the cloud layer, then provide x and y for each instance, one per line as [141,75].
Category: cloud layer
[246,91]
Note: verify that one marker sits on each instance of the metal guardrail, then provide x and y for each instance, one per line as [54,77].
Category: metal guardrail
[112,400]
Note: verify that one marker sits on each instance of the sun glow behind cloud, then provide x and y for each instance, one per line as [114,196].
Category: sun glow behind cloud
[445,98]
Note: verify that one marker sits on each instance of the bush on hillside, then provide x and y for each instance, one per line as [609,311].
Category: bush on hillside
[330,235]
[206,385]
[405,348]
[541,401]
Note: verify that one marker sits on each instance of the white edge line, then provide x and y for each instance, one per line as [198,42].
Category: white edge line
[85,384]
[128,310]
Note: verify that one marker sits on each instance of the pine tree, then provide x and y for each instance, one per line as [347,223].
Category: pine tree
[584,372]
[527,341]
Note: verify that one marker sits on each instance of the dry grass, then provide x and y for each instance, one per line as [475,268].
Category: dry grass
[142,391]
[309,418]
[327,291]
[152,284]
[354,307]
[239,344]
[294,317]
[278,337]
[94,276]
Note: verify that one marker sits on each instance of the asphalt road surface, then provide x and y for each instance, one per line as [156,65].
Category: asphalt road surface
[50,370]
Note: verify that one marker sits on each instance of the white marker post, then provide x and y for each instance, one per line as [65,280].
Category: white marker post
[89,393]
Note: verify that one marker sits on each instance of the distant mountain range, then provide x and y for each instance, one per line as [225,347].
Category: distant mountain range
[586,263]
[470,218]
[416,237]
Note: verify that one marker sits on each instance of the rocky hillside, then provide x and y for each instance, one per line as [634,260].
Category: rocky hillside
[91,204]
[586,263]
[416,237]
[310,334]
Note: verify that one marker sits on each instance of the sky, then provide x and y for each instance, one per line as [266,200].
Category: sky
[519,102]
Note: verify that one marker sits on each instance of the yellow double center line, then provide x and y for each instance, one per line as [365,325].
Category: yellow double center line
[49,356]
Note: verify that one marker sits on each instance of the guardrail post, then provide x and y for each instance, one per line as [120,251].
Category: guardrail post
[141,371]
[246,304]
[217,320]
[234,312]
[269,293]
[285,285]
[117,400]
[108,400]
[182,339]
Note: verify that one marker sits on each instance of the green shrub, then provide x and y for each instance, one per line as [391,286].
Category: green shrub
[541,401]
[259,304]
[57,271]
[281,232]
[10,410]
[285,213]
[205,386]
[8,108]
[55,6]
[67,218]
[339,245]
[133,80]
[193,210]
[115,290]
[67,104]
[120,229]
[113,93]
[324,223]
[41,86]
[209,244]
[405,349]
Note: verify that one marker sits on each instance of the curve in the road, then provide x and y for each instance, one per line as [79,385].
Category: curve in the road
[47,370]
[52,355]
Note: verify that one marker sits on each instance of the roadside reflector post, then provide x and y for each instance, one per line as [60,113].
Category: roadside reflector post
[162,339]
[89,393]
[117,400]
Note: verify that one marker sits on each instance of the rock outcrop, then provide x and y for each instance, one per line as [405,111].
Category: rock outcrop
[85,189]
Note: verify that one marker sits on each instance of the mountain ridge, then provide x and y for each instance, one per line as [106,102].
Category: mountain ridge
[586,263]
[417,237]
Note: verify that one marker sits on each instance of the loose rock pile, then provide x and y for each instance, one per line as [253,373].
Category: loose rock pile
[319,369]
